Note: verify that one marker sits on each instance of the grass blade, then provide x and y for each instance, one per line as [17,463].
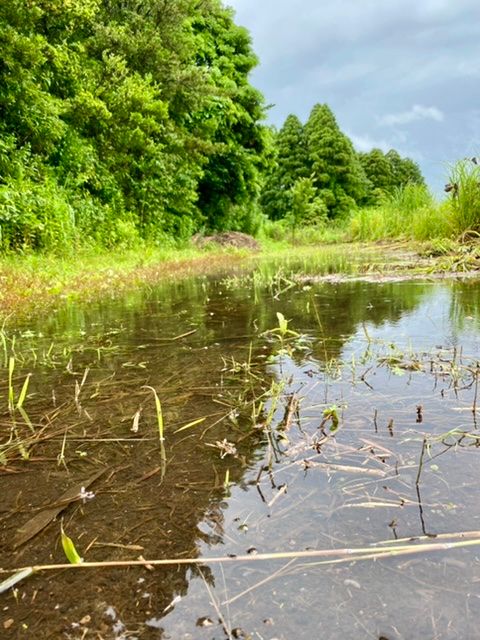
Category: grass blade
[13,580]
[11,397]
[23,392]
[158,408]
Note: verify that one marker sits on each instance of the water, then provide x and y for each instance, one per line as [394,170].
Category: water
[247,469]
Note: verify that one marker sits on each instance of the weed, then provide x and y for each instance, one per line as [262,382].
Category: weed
[465,203]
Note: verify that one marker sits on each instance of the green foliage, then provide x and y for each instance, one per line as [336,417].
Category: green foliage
[289,164]
[379,172]
[339,178]
[405,171]
[333,162]
[409,213]
[465,201]
[386,173]
[124,121]
[307,208]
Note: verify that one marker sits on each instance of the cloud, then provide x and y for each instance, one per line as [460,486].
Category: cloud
[366,143]
[414,63]
[417,112]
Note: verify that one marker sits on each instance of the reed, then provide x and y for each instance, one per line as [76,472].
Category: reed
[415,546]
[465,204]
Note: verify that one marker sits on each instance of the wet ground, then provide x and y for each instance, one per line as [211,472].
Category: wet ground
[344,422]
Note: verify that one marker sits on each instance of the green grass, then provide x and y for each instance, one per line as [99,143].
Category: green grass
[278,234]
[465,205]
[38,280]
[410,213]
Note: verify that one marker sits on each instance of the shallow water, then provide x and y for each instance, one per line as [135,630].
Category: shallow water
[255,473]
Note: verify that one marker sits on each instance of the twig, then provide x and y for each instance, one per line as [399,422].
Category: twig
[420,462]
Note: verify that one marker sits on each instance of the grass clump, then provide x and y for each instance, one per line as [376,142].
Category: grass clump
[280,232]
[410,213]
[465,203]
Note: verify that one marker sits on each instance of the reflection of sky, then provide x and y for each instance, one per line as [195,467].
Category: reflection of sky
[323,509]
[428,326]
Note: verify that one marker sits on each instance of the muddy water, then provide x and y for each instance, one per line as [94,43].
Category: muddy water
[276,440]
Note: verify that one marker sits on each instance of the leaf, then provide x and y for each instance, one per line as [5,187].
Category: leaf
[23,392]
[282,323]
[158,408]
[11,368]
[43,518]
[13,580]
[69,549]
[190,424]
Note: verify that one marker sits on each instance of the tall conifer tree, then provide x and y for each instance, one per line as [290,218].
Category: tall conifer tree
[334,165]
[289,165]
[379,173]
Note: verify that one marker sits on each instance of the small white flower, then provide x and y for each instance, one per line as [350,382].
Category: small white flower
[85,495]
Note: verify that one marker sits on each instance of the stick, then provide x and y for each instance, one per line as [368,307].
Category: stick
[313,553]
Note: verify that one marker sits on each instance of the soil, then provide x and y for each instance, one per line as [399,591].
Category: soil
[227,239]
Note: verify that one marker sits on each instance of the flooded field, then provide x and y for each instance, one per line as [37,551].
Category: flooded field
[302,433]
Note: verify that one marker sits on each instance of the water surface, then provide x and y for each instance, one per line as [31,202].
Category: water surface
[263,468]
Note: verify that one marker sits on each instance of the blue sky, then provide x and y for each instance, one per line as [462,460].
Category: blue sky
[401,74]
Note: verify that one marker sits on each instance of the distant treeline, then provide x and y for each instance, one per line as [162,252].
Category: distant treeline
[123,120]
[316,171]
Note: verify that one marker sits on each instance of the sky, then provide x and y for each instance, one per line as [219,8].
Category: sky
[402,74]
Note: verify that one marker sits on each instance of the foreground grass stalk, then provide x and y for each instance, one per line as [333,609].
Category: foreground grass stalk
[334,555]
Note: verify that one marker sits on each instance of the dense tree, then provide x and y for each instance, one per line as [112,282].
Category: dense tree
[231,175]
[289,164]
[333,163]
[124,119]
[387,172]
[307,208]
[405,171]
[379,173]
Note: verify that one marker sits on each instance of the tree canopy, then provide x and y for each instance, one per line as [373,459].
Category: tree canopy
[387,172]
[289,164]
[124,119]
[339,178]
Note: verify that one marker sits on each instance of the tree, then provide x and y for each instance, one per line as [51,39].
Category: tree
[290,164]
[306,207]
[405,171]
[379,173]
[334,165]
[136,119]
[231,175]
[387,172]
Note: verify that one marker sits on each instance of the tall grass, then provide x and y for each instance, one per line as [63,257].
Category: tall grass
[412,213]
[465,205]
[275,232]
[409,213]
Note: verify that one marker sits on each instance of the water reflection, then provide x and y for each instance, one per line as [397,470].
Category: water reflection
[191,341]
